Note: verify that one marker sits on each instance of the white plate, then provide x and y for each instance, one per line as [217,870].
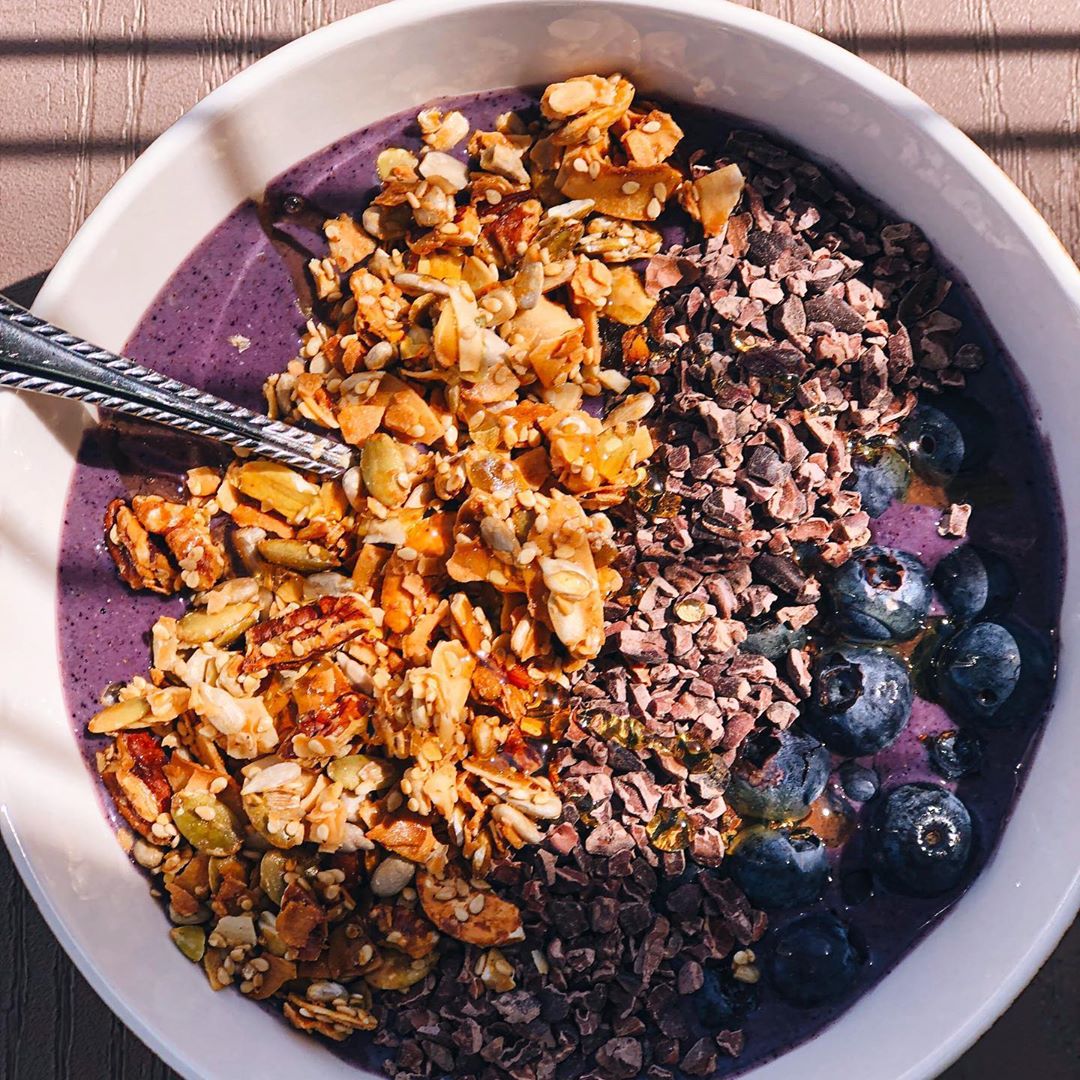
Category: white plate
[952,986]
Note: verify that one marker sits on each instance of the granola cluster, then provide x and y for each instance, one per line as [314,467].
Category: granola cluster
[352,693]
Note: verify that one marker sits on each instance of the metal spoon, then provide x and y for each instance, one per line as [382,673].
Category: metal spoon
[35,355]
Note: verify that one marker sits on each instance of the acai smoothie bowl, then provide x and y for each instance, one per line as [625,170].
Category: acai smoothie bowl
[663,691]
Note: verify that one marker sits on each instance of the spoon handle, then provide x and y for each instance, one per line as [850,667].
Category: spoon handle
[35,355]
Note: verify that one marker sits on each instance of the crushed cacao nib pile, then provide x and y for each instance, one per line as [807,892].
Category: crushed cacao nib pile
[805,331]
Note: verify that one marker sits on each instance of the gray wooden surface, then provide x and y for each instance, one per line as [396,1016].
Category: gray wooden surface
[86,84]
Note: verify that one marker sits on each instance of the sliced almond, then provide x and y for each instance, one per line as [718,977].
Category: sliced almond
[712,198]
[278,488]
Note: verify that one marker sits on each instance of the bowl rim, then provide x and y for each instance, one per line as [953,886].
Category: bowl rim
[398,14]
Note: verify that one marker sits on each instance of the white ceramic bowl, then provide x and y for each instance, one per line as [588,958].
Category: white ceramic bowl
[953,985]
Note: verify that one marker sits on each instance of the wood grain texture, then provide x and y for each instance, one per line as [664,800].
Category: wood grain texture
[86,84]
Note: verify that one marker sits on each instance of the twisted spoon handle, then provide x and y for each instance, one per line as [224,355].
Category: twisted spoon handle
[35,355]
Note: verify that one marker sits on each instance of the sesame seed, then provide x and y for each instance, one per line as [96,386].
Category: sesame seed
[631,187]
[580,165]
[654,208]
[493,196]
[652,127]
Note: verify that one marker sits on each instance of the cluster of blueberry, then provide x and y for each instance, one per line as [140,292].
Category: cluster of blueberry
[985,667]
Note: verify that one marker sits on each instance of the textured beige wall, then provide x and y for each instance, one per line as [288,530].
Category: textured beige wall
[84,84]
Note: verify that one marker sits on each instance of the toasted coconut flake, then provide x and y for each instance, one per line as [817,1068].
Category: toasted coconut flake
[712,198]
[629,192]
[628,302]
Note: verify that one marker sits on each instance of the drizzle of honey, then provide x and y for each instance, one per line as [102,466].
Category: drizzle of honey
[832,818]
[669,830]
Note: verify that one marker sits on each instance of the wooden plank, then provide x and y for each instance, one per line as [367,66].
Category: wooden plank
[87,83]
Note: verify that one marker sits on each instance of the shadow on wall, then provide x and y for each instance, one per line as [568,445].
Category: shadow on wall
[260,44]
[249,49]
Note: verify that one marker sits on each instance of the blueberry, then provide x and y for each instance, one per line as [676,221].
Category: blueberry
[777,776]
[880,594]
[954,754]
[859,782]
[773,640]
[856,886]
[814,961]
[778,868]
[724,1002]
[880,474]
[974,582]
[952,436]
[860,700]
[921,840]
[995,673]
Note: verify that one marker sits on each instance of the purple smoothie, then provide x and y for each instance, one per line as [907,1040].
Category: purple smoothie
[244,279]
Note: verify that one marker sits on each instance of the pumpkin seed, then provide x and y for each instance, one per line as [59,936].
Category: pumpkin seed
[216,835]
[272,875]
[298,555]
[190,940]
[123,714]
[398,972]
[358,772]
[268,934]
[258,812]
[222,628]
[381,465]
